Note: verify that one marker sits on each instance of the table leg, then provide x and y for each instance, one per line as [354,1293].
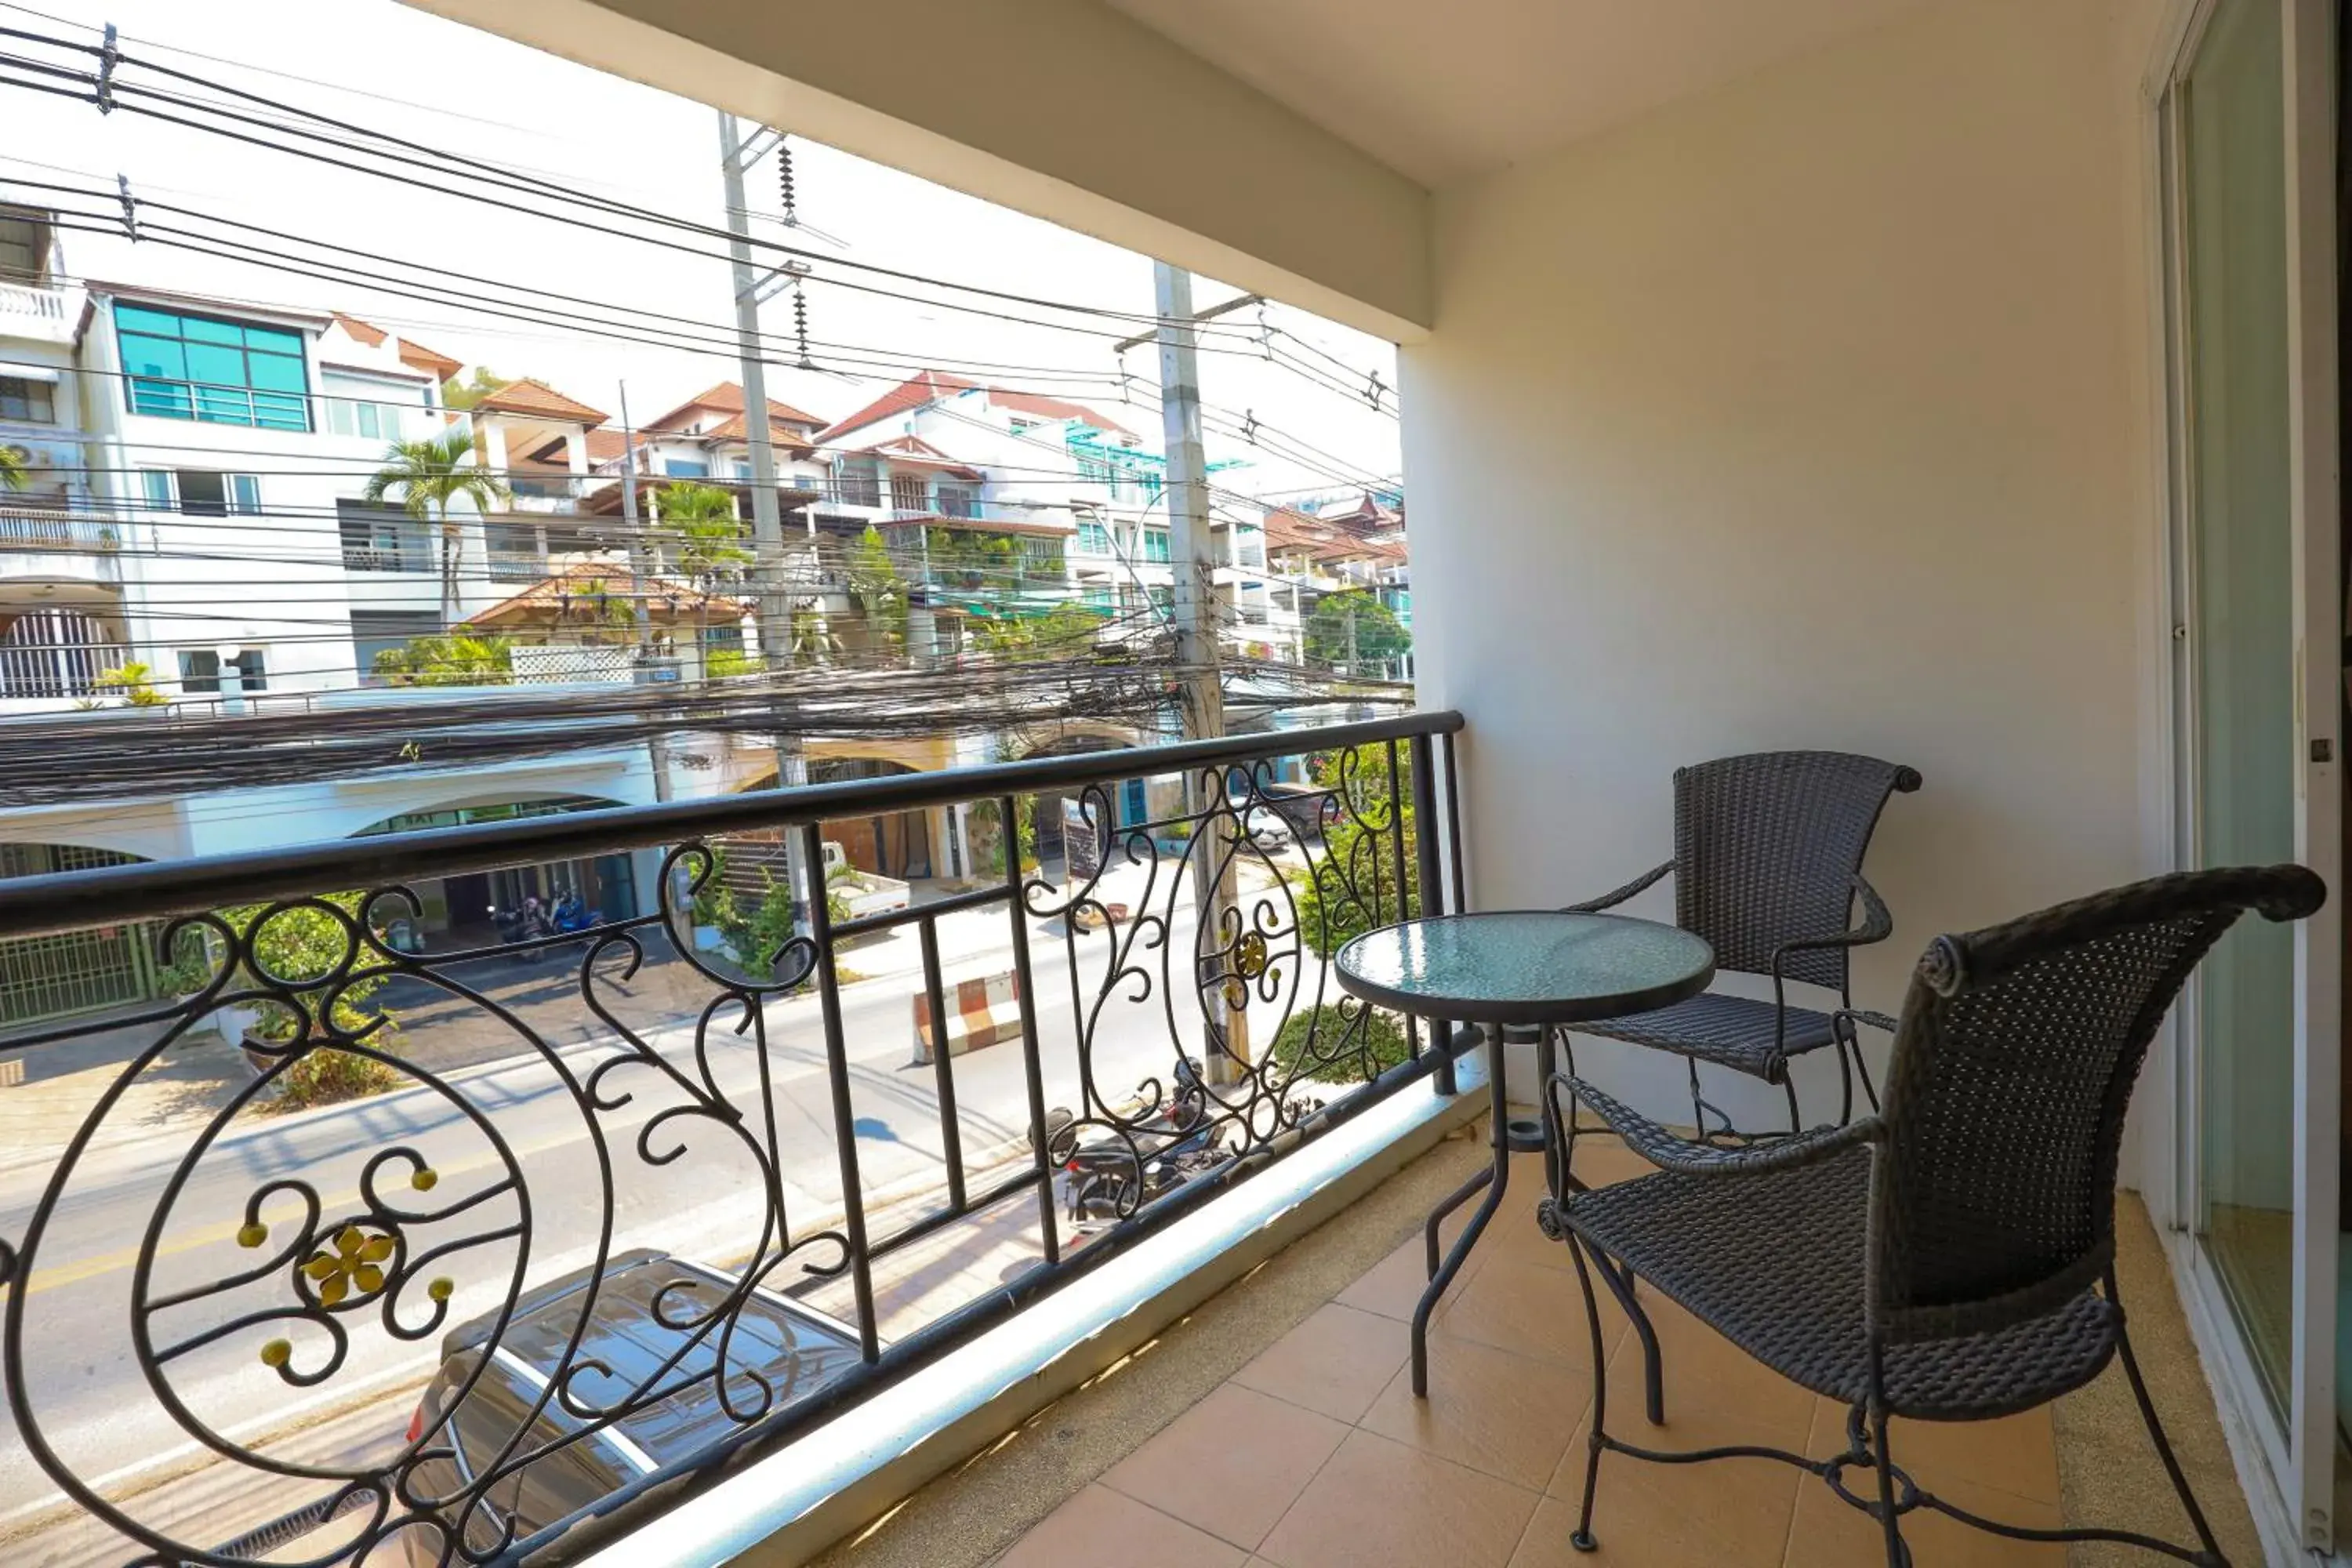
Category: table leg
[1495,1179]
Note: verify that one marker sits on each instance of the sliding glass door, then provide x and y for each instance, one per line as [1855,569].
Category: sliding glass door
[2249,167]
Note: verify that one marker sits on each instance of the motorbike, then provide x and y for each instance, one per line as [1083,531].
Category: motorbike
[571,914]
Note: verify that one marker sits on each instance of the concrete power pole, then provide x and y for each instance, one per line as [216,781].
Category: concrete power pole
[1194,558]
[641,568]
[774,613]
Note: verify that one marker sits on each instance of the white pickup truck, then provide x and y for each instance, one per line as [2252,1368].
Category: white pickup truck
[866,892]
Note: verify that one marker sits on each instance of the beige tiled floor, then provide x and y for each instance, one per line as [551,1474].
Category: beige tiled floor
[1317,1455]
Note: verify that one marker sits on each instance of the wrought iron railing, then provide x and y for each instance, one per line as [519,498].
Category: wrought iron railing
[683,1211]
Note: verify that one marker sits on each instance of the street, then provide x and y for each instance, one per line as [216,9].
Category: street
[681,1180]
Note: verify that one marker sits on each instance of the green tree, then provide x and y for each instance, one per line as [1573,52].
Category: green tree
[302,944]
[877,588]
[1351,629]
[813,641]
[461,656]
[1360,1051]
[705,541]
[12,468]
[1059,632]
[466,393]
[1336,894]
[136,681]
[427,476]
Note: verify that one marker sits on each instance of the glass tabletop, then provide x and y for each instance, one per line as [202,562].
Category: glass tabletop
[1537,966]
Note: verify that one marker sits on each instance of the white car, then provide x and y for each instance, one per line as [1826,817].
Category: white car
[1268,828]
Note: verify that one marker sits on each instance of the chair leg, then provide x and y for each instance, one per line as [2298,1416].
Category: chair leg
[1869,1089]
[2156,1431]
[1796,1117]
[1581,1538]
[1897,1555]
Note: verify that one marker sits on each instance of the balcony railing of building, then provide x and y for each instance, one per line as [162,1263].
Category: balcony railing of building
[1163,1028]
[29,528]
[47,312]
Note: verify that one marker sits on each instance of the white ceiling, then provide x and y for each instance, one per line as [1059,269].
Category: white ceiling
[1442,89]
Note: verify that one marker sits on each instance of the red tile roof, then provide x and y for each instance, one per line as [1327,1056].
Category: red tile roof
[361,332]
[605,446]
[727,397]
[924,386]
[547,596]
[423,358]
[1053,408]
[414,355]
[931,386]
[536,397]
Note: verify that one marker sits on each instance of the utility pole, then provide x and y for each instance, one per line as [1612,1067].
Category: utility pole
[1201,695]
[641,568]
[774,614]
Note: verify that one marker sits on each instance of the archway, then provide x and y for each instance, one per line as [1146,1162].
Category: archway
[1052,809]
[891,844]
[75,971]
[464,910]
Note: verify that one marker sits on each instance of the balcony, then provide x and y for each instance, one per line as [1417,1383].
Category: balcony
[835,1201]
[33,312]
[47,528]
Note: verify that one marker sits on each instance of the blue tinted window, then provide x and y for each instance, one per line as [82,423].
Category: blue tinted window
[200,368]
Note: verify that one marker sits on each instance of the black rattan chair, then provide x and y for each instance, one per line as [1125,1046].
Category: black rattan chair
[1953,1257]
[1767,868]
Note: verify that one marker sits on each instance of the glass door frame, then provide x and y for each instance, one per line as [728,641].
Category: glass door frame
[2297,1458]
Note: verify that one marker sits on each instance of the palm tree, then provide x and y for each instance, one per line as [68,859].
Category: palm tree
[12,468]
[429,475]
[704,540]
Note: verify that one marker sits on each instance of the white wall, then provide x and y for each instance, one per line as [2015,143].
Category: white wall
[1061,108]
[1812,413]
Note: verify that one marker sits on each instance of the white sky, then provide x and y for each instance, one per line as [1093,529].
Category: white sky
[484,97]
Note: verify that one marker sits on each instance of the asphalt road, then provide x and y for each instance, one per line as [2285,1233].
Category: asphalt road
[688,1184]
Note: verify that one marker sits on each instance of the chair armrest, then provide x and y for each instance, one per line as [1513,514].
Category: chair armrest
[1610,900]
[1864,1016]
[1876,925]
[1669,1153]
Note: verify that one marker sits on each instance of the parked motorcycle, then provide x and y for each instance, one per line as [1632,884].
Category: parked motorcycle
[570,913]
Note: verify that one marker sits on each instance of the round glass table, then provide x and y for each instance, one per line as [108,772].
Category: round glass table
[1544,968]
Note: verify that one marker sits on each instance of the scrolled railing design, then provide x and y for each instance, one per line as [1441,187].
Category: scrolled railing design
[503,1207]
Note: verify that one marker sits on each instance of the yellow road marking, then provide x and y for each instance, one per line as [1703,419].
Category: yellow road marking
[74,1273]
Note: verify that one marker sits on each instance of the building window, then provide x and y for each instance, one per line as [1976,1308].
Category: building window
[22,250]
[222,373]
[1094,539]
[206,492]
[155,488]
[252,669]
[382,539]
[199,671]
[859,483]
[959,500]
[379,631]
[686,468]
[514,551]
[31,402]
[1155,545]
[909,493]
[55,653]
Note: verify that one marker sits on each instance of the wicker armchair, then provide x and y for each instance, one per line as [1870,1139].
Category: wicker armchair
[1951,1259]
[1768,867]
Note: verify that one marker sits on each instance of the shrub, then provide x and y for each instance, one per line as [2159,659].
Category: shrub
[1331,913]
[324,1077]
[305,944]
[1348,1036]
